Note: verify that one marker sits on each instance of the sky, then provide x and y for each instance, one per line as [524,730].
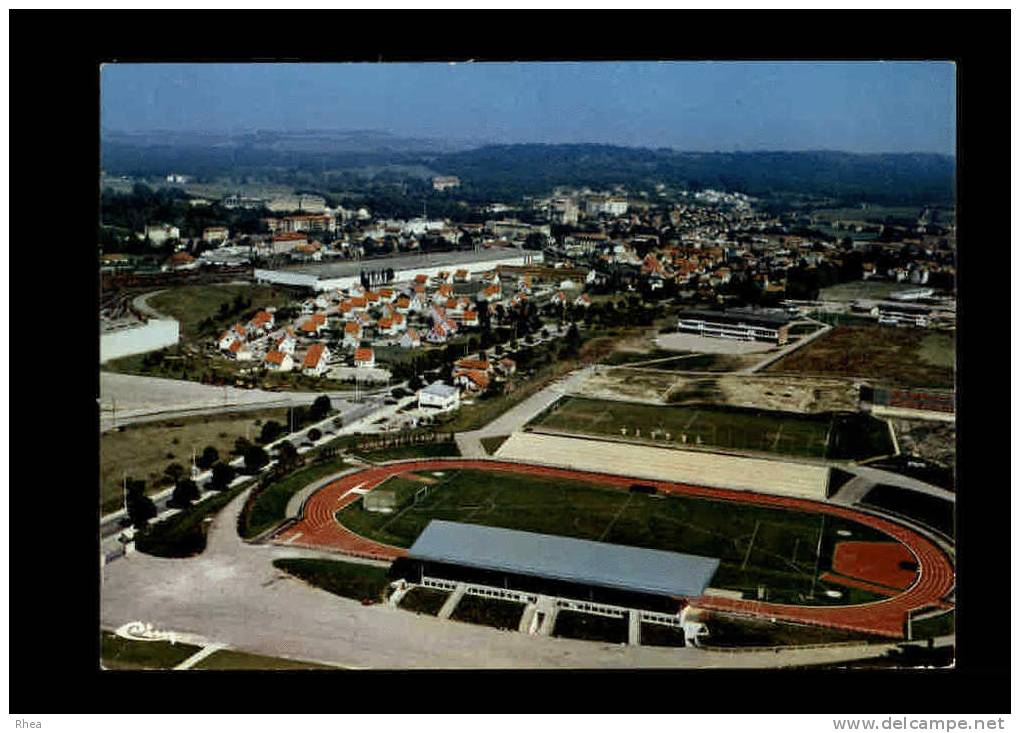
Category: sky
[863,107]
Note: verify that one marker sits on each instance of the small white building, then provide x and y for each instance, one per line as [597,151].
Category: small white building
[278,361]
[439,396]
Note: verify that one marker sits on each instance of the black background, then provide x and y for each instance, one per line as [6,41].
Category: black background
[54,114]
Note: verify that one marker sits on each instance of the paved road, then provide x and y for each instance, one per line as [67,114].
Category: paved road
[232,595]
[519,415]
[127,399]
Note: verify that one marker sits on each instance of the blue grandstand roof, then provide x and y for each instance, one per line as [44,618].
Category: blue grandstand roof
[563,558]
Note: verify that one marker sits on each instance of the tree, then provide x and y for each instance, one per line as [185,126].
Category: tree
[241,445]
[314,434]
[286,454]
[174,472]
[185,492]
[255,459]
[140,509]
[222,475]
[320,408]
[208,457]
[270,431]
[415,382]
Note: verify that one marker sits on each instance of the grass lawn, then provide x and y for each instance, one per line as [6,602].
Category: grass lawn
[230,659]
[941,625]
[143,451]
[577,625]
[820,435]
[659,635]
[908,357]
[270,506]
[736,631]
[191,304]
[496,612]
[424,600]
[183,535]
[930,511]
[757,546]
[119,653]
[492,445]
[421,450]
[347,579]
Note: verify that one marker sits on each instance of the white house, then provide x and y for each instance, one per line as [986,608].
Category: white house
[411,339]
[316,360]
[286,343]
[240,351]
[439,396]
[278,361]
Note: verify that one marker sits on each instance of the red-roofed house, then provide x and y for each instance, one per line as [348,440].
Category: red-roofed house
[461,276]
[239,350]
[278,361]
[483,365]
[471,379]
[364,357]
[261,322]
[316,360]
[312,325]
[352,334]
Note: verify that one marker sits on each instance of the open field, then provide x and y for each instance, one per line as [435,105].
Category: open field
[192,304]
[231,659]
[143,451]
[824,435]
[116,652]
[774,548]
[888,355]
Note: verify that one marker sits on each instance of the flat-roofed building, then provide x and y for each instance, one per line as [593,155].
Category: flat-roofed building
[903,315]
[599,578]
[439,396]
[737,325]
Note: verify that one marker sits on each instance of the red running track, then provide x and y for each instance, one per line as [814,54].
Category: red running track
[319,529]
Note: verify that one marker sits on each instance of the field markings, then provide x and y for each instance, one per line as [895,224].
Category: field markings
[615,517]
[818,556]
[750,545]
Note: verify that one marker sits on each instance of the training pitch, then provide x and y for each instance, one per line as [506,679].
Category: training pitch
[821,435]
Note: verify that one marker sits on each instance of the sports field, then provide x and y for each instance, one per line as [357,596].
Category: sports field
[821,435]
[783,551]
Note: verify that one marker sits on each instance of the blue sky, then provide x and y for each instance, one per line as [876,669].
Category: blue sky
[852,106]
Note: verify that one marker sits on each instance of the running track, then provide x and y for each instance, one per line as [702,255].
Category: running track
[319,529]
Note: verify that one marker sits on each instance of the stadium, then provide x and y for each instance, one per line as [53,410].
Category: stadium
[736,535]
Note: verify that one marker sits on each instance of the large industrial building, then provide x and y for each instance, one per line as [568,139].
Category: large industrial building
[738,325]
[345,273]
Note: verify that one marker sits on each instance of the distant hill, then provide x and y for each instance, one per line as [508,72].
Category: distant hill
[503,171]
[905,178]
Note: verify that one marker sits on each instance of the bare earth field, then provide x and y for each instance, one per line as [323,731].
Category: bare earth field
[763,391]
[706,345]
[906,357]
[932,441]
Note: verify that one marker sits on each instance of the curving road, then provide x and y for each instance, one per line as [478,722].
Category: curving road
[935,577]
[232,595]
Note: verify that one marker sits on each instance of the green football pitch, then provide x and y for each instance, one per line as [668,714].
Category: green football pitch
[780,551]
[822,435]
